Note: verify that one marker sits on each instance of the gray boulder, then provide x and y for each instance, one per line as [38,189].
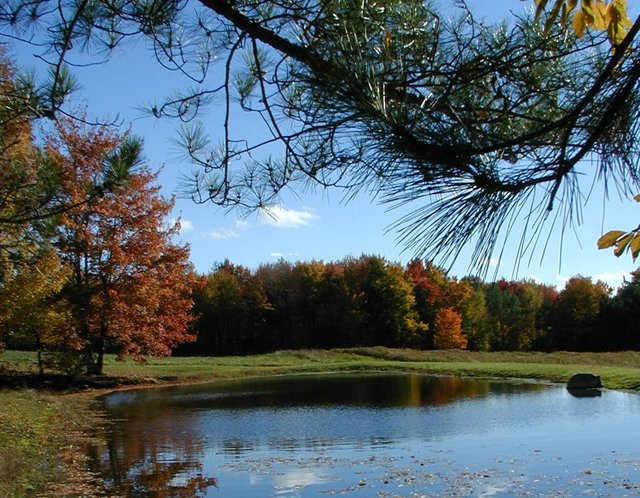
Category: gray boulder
[584,381]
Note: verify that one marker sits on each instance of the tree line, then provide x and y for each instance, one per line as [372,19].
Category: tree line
[369,301]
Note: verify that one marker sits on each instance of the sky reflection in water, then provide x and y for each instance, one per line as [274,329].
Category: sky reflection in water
[382,435]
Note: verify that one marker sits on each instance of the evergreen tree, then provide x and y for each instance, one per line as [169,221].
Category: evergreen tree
[474,123]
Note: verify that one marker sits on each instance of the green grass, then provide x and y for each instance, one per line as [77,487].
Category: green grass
[41,435]
[618,370]
[41,438]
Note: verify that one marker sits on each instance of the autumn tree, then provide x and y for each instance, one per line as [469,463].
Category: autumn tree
[231,308]
[130,288]
[386,302]
[430,288]
[448,330]
[476,124]
[548,295]
[575,317]
[475,321]
[31,314]
[276,280]
[311,310]
[29,186]
[341,314]
[31,274]
[315,304]
[434,290]
[352,302]
[512,313]
[620,324]
[295,295]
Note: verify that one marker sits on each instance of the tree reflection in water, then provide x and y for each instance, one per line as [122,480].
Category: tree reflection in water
[147,456]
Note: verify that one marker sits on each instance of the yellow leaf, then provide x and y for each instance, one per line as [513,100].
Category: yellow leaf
[635,246]
[553,15]
[588,10]
[608,14]
[609,238]
[588,6]
[616,34]
[579,24]
[541,4]
[600,14]
[622,244]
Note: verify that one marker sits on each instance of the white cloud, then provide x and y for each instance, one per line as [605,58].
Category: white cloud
[242,224]
[299,478]
[227,233]
[186,225]
[282,254]
[613,279]
[222,234]
[282,217]
[562,279]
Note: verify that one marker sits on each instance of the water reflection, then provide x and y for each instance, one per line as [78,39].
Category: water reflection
[374,390]
[266,437]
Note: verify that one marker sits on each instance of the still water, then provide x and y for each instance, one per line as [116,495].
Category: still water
[370,435]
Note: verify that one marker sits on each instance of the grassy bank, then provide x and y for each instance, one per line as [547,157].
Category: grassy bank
[42,434]
[42,439]
[618,370]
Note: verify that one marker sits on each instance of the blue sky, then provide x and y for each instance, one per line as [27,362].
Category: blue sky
[314,224]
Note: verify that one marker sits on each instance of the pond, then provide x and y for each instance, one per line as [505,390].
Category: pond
[370,435]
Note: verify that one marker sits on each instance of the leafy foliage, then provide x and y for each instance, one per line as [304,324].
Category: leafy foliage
[31,315]
[575,315]
[622,241]
[130,290]
[448,330]
[231,307]
[609,16]
[32,273]
[620,316]
[87,263]
[363,302]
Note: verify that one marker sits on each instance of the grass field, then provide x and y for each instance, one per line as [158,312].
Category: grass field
[42,434]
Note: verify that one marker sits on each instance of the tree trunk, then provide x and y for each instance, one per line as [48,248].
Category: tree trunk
[100,361]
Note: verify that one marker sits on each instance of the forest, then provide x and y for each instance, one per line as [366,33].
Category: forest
[369,301]
[475,121]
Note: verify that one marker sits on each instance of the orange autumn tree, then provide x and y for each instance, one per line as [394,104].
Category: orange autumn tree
[448,330]
[130,289]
